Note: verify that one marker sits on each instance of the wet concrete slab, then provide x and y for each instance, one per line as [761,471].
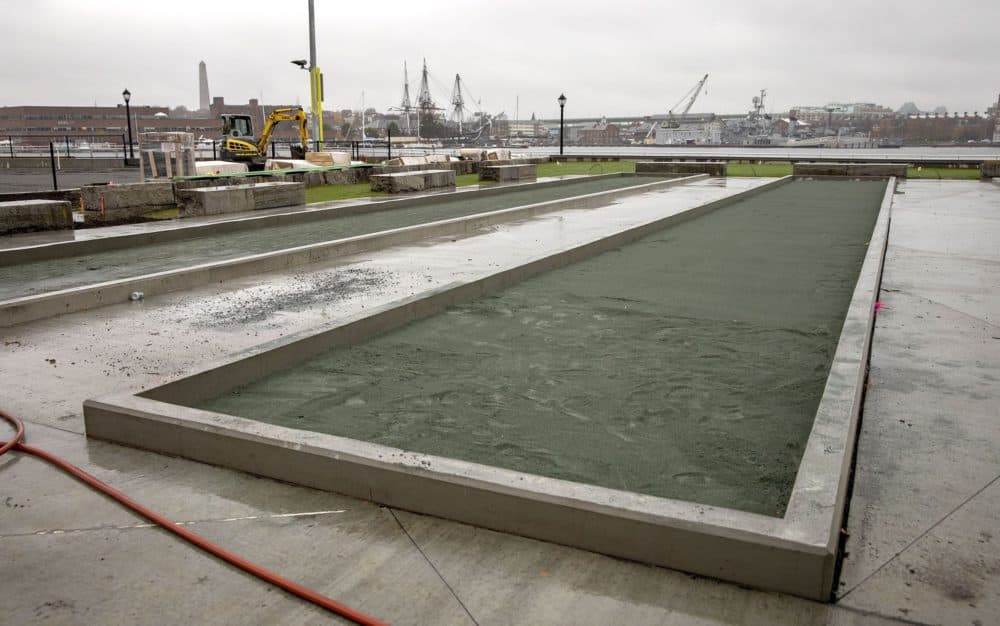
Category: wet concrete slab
[111,567]
[928,460]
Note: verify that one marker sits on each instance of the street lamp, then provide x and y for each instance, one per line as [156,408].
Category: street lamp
[128,120]
[562,108]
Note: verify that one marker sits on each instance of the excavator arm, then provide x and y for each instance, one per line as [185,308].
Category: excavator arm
[283,115]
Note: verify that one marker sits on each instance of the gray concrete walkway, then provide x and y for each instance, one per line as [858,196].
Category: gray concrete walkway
[925,517]
[927,468]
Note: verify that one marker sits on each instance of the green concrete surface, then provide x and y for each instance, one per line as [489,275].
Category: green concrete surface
[37,277]
[687,365]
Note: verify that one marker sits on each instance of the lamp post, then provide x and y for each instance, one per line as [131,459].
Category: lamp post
[562,109]
[128,120]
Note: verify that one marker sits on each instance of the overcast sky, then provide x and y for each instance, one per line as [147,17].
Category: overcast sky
[617,58]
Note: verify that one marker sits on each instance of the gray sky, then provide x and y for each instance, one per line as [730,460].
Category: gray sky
[625,57]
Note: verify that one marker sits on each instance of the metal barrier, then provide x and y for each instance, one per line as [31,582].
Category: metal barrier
[98,145]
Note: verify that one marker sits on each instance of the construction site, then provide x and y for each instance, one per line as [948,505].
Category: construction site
[450,366]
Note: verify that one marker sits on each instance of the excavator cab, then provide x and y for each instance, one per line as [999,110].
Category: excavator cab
[237,125]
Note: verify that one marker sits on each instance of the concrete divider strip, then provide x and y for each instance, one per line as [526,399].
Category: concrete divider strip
[21,310]
[317,212]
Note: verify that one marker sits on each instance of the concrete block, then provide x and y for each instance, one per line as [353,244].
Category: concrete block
[24,215]
[208,168]
[403,182]
[497,154]
[989,169]
[326,159]
[347,176]
[154,195]
[875,170]
[508,173]
[239,198]
[712,168]
[314,179]
[274,195]
[118,203]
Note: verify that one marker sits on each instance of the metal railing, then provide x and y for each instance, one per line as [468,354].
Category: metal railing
[97,145]
[106,145]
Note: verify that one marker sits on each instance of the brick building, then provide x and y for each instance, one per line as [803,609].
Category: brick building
[40,124]
[594,134]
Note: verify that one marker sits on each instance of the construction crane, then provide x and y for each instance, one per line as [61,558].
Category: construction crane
[690,96]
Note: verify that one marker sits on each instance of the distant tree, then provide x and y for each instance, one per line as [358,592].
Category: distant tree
[345,128]
[393,128]
[431,125]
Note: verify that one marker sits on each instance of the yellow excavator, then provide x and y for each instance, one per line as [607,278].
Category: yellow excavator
[240,145]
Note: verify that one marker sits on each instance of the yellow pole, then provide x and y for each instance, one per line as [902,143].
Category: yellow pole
[316,89]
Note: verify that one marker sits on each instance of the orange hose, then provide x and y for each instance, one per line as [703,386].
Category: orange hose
[267,576]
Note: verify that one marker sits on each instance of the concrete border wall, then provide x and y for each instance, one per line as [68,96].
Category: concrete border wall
[819,494]
[123,203]
[242,198]
[712,168]
[509,173]
[28,308]
[874,170]
[339,174]
[407,182]
[795,554]
[763,154]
